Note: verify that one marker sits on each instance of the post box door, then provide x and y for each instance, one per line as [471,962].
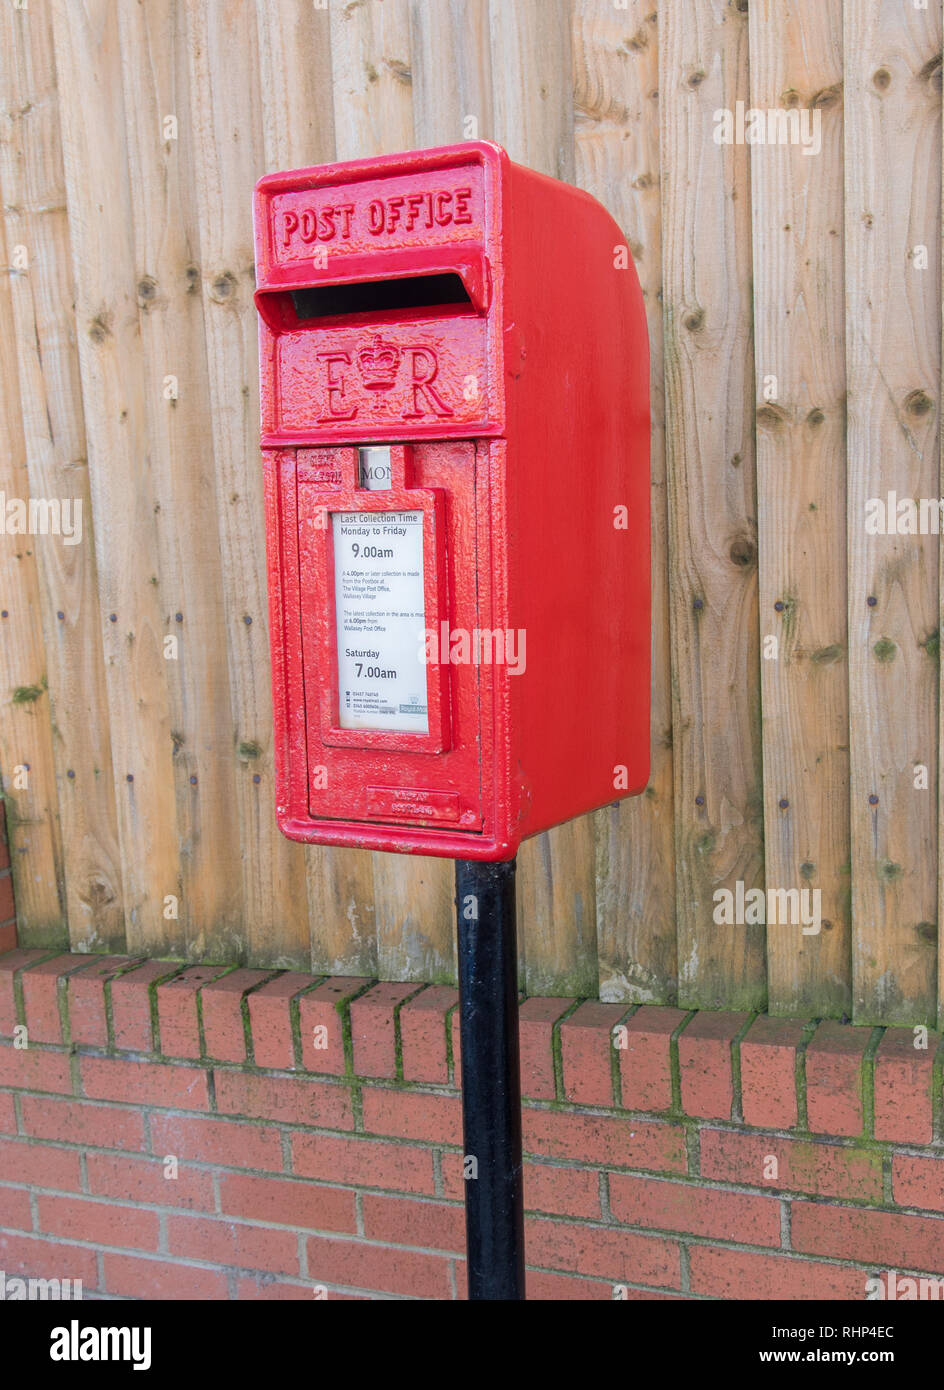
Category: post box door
[391,739]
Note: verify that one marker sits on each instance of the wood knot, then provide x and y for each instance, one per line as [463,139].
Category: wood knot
[772,415]
[743,552]
[889,871]
[825,656]
[637,42]
[98,895]
[223,287]
[400,71]
[918,402]
[826,97]
[99,329]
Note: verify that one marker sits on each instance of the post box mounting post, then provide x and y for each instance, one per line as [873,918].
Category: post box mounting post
[491,1082]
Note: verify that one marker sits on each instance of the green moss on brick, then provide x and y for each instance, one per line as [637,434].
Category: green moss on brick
[557,1050]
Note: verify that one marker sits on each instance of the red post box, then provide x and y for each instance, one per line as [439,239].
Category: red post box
[455,433]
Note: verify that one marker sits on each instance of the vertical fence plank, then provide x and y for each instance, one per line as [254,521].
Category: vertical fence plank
[298,117]
[225,126]
[532,83]
[893,346]
[42,337]
[796,67]
[452,78]
[706,250]
[32,813]
[66,879]
[533,109]
[122,484]
[616,63]
[373,78]
[373,114]
[173,357]
[295,74]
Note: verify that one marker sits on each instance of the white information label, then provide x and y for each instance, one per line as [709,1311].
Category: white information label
[381,616]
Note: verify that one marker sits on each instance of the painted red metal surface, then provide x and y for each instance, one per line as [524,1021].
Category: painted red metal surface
[517,402]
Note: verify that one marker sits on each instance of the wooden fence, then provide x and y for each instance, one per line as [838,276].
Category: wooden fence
[794,302]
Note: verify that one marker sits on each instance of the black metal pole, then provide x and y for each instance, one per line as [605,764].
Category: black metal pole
[491,1082]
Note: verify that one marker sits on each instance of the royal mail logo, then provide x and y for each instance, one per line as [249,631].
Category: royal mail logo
[381,378]
[378,364]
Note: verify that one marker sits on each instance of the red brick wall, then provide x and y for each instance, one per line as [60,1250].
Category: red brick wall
[681,1155]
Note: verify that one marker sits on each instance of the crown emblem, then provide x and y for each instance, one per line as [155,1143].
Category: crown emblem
[378,363]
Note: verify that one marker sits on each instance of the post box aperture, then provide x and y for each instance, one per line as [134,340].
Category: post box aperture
[455,438]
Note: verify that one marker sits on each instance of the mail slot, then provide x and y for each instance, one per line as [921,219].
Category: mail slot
[455,441]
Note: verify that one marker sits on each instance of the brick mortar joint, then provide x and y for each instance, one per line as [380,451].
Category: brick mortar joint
[616,1070]
[557,1050]
[398,1030]
[245,1018]
[737,1096]
[294,1020]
